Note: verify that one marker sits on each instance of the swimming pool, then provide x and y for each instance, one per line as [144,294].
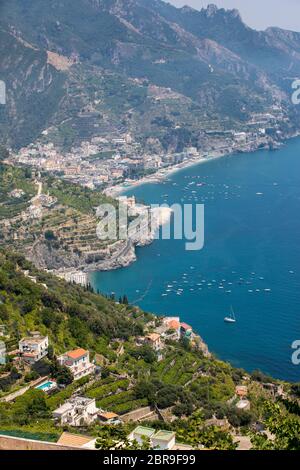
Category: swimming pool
[46,386]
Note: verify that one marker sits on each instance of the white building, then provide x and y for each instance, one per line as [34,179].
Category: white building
[34,348]
[78,411]
[160,440]
[2,353]
[163,440]
[240,137]
[78,361]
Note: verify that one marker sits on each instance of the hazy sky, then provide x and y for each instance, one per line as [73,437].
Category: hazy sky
[257,13]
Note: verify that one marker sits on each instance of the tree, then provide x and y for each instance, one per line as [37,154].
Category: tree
[112,438]
[183,409]
[105,373]
[49,235]
[195,434]
[62,374]
[295,389]
[145,390]
[65,376]
[3,312]
[4,153]
[285,429]
[31,405]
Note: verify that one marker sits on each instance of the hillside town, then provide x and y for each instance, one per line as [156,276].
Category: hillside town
[79,411]
[107,161]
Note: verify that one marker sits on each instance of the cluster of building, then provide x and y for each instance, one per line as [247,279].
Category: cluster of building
[241,393]
[171,329]
[99,162]
[78,361]
[33,348]
[159,440]
[107,160]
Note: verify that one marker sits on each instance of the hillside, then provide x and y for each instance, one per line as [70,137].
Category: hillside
[184,383]
[111,66]
[55,228]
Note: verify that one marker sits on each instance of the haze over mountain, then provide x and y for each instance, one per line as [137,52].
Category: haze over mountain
[94,67]
[257,14]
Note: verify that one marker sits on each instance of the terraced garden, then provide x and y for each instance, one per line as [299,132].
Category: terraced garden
[71,222]
[178,369]
[115,395]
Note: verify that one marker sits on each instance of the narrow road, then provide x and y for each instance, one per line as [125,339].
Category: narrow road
[40,188]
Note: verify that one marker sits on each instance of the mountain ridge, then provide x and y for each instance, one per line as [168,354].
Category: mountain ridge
[209,56]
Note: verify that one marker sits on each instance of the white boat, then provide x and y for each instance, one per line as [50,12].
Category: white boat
[231,318]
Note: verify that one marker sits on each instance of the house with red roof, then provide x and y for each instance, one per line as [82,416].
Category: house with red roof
[171,328]
[78,361]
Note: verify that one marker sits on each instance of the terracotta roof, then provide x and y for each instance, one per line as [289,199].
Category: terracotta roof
[77,353]
[241,390]
[108,415]
[153,337]
[174,325]
[73,440]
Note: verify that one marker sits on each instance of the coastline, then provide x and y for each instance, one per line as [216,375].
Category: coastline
[128,252]
[163,173]
[263,168]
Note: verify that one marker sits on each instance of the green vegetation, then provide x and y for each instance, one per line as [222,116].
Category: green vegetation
[70,195]
[112,438]
[184,384]
[10,180]
[70,315]
[63,229]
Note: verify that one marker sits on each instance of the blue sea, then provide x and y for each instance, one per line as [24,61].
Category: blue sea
[250,260]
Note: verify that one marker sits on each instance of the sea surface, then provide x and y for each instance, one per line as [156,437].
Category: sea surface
[250,260]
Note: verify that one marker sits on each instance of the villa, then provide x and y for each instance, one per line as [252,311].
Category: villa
[160,440]
[34,348]
[77,411]
[78,361]
[173,328]
[154,340]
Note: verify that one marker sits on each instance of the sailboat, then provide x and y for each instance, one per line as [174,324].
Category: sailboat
[231,318]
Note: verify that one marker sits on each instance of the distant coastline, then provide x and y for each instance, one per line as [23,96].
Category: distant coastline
[198,159]
[125,255]
[250,263]
[160,176]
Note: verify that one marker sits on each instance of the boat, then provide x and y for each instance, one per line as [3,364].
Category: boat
[231,318]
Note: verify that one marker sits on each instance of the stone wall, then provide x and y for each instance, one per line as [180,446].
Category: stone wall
[137,415]
[16,443]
